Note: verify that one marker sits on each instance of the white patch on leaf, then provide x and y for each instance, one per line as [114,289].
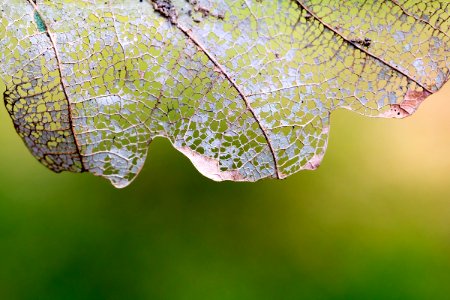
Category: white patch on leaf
[210,167]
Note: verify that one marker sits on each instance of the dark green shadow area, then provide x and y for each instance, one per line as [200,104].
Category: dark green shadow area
[351,230]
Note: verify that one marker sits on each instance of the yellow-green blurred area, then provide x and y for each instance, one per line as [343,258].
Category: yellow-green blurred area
[372,223]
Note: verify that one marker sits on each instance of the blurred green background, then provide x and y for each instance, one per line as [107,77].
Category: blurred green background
[372,223]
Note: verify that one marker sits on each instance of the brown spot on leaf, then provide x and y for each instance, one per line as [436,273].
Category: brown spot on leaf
[412,100]
[166,9]
[408,106]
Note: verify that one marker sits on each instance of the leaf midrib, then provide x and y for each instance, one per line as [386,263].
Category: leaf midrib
[188,33]
[63,87]
[362,49]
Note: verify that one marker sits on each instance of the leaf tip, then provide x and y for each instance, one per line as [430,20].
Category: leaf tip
[314,162]
[210,167]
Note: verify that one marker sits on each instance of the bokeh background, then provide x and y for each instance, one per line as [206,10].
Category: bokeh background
[372,223]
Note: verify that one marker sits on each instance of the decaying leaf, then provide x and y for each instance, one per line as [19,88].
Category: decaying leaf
[244,88]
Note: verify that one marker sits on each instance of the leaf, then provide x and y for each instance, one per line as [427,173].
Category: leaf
[243,88]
